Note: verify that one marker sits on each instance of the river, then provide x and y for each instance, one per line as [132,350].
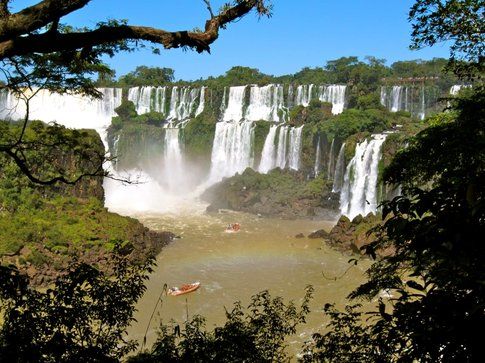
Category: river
[233,266]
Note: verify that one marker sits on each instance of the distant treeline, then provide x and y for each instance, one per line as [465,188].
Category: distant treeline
[367,75]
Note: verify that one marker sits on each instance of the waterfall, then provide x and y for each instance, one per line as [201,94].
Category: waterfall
[201,106]
[147,99]
[335,94]
[282,146]
[396,98]
[393,100]
[173,174]
[268,156]
[422,114]
[295,148]
[265,103]
[182,102]
[384,96]
[455,89]
[142,98]
[304,95]
[232,150]
[358,194]
[290,99]
[70,110]
[338,177]
[154,99]
[331,160]
[411,98]
[316,168]
[235,104]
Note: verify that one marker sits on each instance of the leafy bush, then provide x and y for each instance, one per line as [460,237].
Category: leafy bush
[257,335]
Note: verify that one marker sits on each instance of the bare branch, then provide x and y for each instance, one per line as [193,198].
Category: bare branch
[209,7]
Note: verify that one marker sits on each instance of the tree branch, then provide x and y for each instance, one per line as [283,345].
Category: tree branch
[209,7]
[4,12]
[37,16]
[200,41]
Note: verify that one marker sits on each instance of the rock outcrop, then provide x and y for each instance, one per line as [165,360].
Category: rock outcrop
[352,236]
[280,193]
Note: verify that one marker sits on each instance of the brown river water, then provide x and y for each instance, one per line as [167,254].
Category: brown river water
[231,267]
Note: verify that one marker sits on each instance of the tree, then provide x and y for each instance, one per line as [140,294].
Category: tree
[83,318]
[257,335]
[38,52]
[436,272]
[148,76]
[459,22]
[37,29]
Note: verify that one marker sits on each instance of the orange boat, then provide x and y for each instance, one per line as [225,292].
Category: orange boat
[232,228]
[184,289]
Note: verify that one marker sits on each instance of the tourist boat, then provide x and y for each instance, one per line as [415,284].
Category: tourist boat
[233,227]
[184,289]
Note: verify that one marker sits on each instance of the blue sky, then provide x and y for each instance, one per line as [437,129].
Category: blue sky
[300,33]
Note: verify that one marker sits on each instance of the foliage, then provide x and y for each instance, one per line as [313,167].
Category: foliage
[83,318]
[459,22]
[147,76]
[436,272]
[199,133]
[257,335]
[369,101]
[39,150]
[353,121]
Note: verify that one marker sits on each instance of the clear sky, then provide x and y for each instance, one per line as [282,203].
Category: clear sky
[301,33]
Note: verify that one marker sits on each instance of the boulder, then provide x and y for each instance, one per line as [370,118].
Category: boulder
[300,235]
[318,234]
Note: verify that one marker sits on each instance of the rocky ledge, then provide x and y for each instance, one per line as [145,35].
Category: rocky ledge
[280,193]
[349,236]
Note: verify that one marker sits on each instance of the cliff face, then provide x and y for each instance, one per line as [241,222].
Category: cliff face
[42,228]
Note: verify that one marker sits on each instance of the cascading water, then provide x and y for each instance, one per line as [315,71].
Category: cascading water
[182,101]
[137,95]
[295,148]
[331,160]
[174,175]
[232,150]
[359,194]
[335,94]
[418,100]
[200,109]
[318,156]
[396,98]
[422,113]
[266,103]
[304,95]
[281,155]
[70,110]
[147,99]
[268,155]
[235,104]
[455,89]
[338,178]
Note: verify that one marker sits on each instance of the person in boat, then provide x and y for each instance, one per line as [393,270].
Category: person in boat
[184,289]
[233,227]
